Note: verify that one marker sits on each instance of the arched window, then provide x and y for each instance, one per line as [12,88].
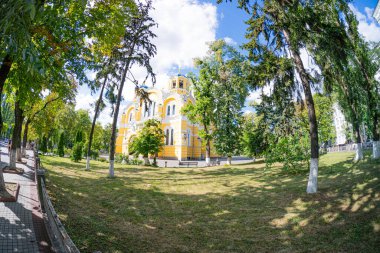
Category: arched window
[174,84]
[188,137]
[168,110]
[172,137]
[144,110]
[167,137]
[130,117]
[173,111]
[180,84]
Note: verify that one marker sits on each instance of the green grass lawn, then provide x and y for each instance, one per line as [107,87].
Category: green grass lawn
[243,208]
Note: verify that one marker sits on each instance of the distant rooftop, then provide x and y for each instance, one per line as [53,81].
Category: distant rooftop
[376,13]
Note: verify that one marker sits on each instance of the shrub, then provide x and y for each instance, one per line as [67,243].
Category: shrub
[61,145]
[68,151]
[94,154]
[77,152]
[43,146]
[120,157]
[135,161]
[102,159]
[292,151]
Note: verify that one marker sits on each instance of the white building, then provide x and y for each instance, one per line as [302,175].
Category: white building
[376,13]
[340,125]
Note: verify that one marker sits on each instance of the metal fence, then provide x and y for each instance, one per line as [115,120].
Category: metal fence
[348,147]
[59,238]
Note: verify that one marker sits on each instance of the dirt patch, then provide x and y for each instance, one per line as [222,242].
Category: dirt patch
[11,192]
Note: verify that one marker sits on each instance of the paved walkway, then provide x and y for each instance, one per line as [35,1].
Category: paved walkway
[21,223]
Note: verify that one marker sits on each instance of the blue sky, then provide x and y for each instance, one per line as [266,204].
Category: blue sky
[231,19]
[186,26]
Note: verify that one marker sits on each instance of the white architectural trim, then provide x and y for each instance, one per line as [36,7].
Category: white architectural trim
[376,13]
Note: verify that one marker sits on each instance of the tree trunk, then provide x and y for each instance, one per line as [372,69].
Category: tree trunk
[2,182]
[4,70]
[358,141]
[376,136]
[115,116]
[18,147]
[208,152]
[97,107]
[25,137]
[146,160]
[16,135]
[229,160]
[376,149]
[312,184]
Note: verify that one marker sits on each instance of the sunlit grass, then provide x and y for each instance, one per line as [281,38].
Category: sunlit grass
[243,208]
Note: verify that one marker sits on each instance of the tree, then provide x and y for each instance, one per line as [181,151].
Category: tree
[77,152]
[98,107]
[280,29]
[37,108]
[61,145]
[135,48]
[149,140]
[201,111]
[229,71]
[219,93]
[44,144]
[79,136]
[16,136]
[45,38]
[253,138]
[324,113]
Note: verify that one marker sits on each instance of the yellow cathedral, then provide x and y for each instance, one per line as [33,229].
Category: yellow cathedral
[182,141]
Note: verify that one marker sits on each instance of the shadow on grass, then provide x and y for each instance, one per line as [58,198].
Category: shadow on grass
[250,211]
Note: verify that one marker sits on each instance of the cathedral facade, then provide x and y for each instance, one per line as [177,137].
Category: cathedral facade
[182,140]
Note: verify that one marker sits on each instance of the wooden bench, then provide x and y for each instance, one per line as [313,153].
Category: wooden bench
[180,163]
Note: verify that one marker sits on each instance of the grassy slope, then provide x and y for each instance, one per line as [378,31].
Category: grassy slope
[220,209]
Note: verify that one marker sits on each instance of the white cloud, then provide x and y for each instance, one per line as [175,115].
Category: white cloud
[367,25]
[230,41]
[255,96]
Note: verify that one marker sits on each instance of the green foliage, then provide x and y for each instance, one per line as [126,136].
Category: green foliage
[136,48]
[220,92]
[253,137]
[135,161]
[44,145]
[228,70]
[120,157]
[61,145]
[77,152]
[79,136]
[325,117]
[292,151]
[149,140]
[94,154]
[102,159]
